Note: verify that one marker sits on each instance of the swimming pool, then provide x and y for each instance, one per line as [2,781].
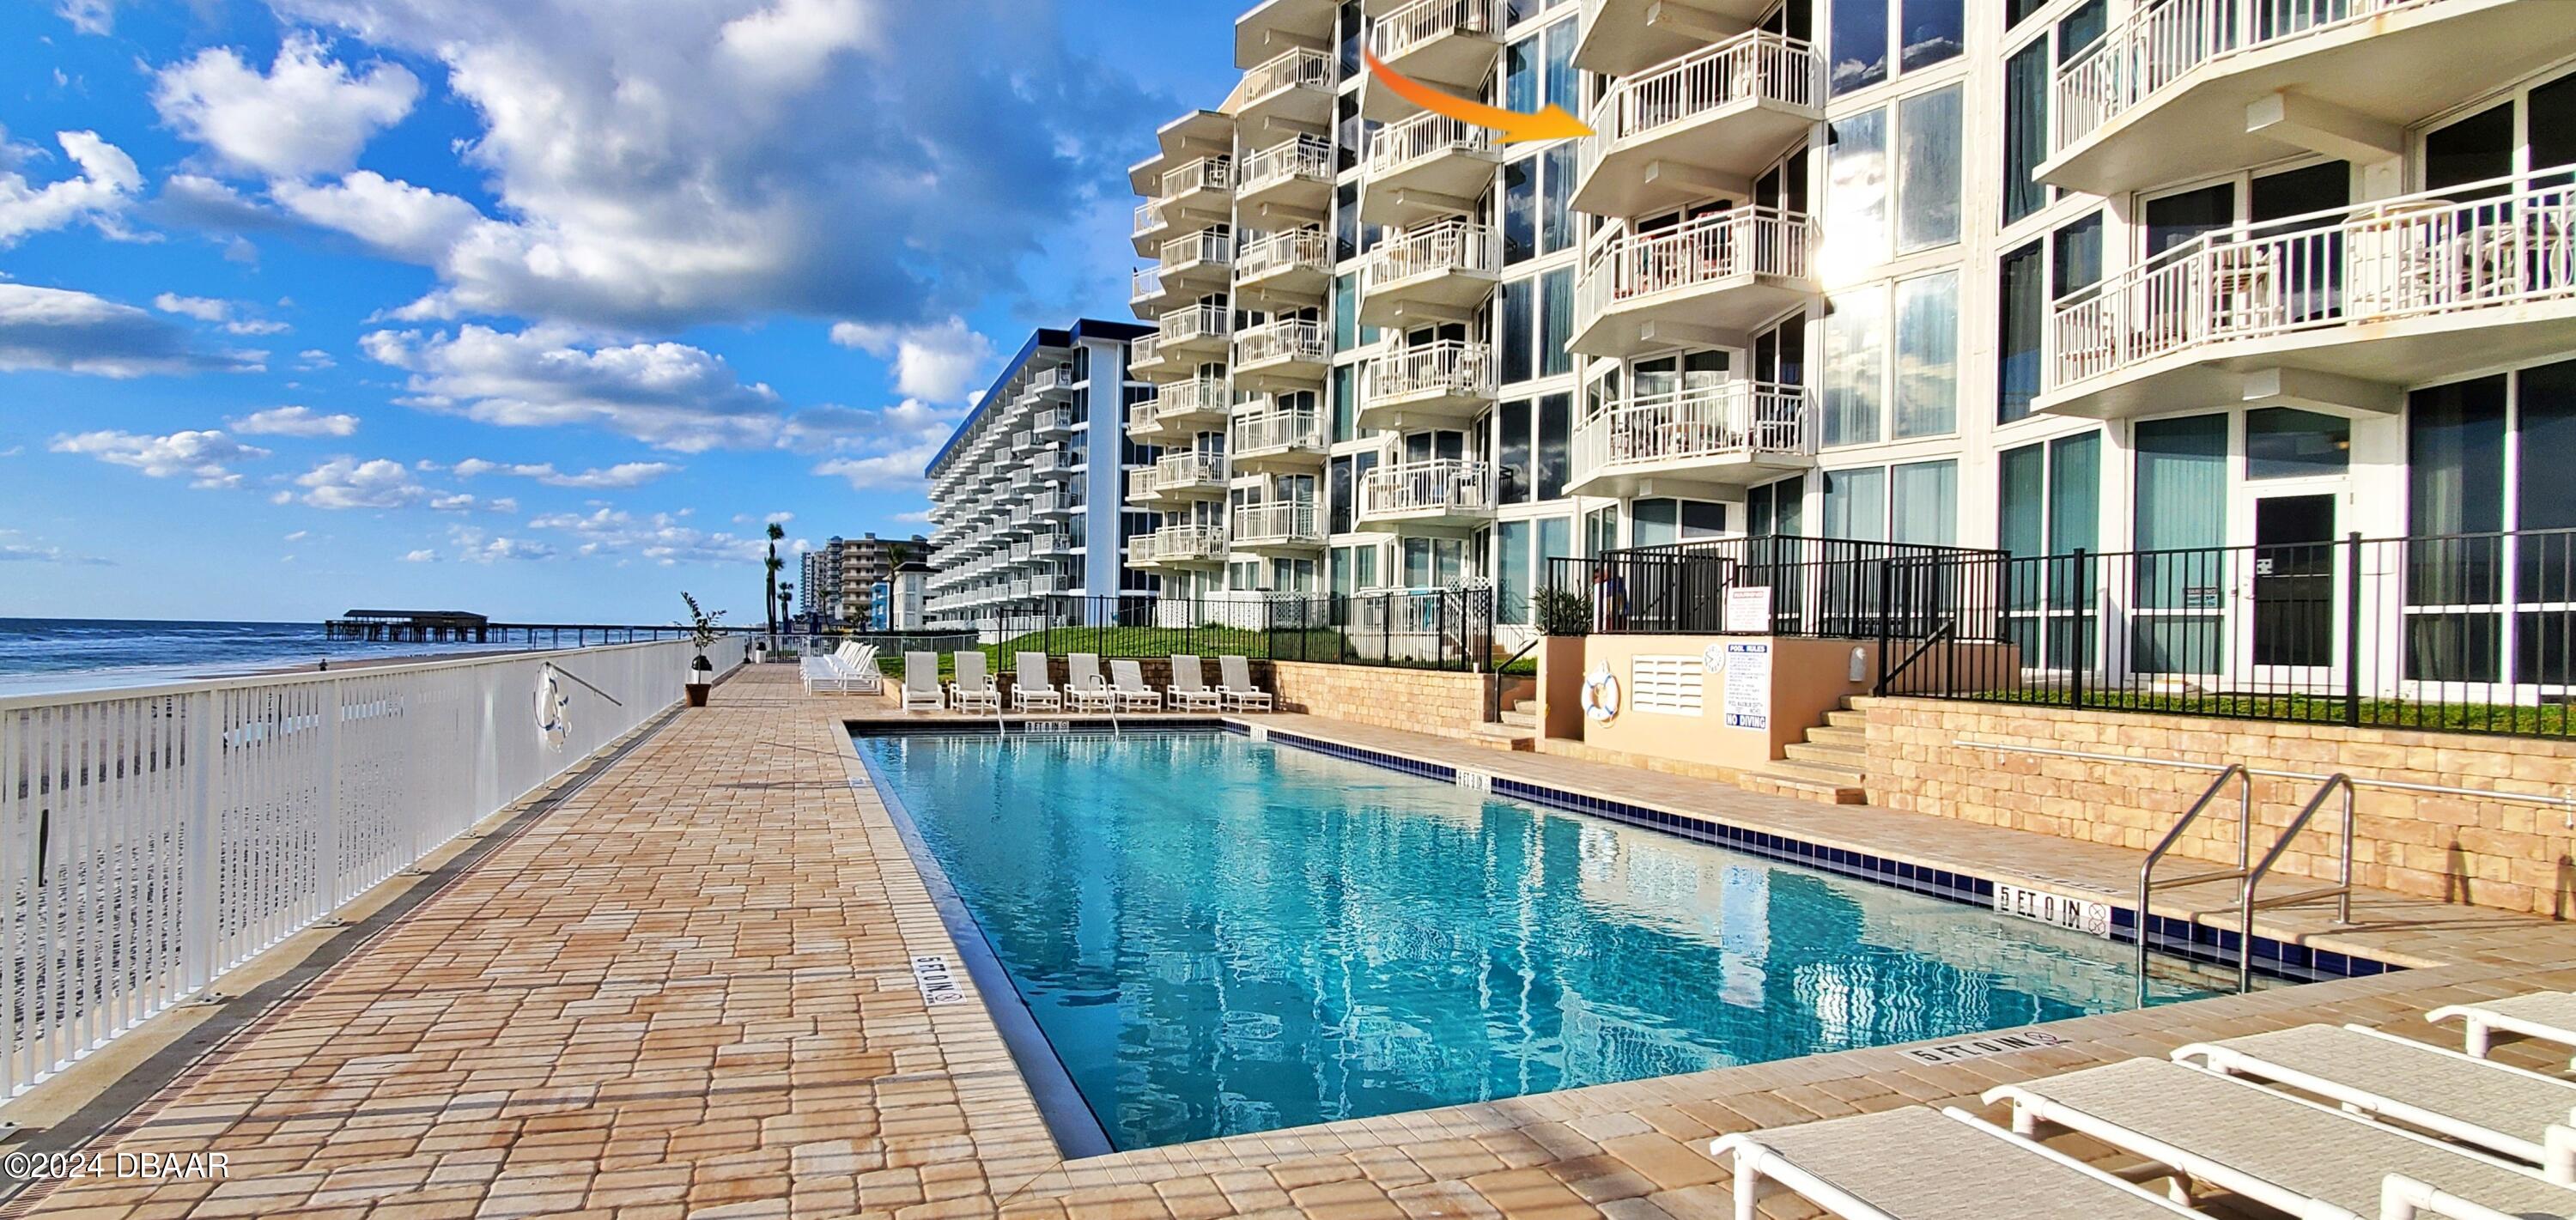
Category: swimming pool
[1218,936]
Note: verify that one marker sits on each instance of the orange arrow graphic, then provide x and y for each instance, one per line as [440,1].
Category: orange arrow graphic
[1552,123]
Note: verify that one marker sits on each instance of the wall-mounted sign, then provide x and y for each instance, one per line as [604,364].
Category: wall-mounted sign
[1748,611]
[1748,687]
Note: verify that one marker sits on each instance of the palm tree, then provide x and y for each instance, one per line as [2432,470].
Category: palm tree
[786,599]
[769,603]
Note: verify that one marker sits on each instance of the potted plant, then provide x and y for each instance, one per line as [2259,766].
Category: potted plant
[703,630]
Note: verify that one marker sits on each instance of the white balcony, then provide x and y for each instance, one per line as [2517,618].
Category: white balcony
[1701,125]
[1445,493]
[1708,281]
[1294,87]
[2344,308]
[1281,354]
[1190,476]
[1145,357]
[1141,423]
[1054,422]
[1276,24]
[1055,466]
[2187,88]
[1200,188]
[1275,439]
[1186,546]
[1198,263]
[1056,382]
[1443,382]
[1055,504]
[1196,332]
[1709,440]
[1425,166]
[1292,263]
[1153,227]
[1145,293]
[1140,487]
[1283,525]
[1625,37]
[1293,177]
[1185,406]
[1451,43]
[1440,272]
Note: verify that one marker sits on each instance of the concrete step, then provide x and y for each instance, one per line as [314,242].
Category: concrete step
[1849,739]
[1526,707]
[1829,755]
[1847,719]
[1841,777]
[1828,790]
[1504,737]
[1521,719]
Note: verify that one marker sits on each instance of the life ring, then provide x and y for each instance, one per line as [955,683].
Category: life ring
[554,720]
[1601,695]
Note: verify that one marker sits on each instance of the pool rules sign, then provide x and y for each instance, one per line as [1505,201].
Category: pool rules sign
[1748,683]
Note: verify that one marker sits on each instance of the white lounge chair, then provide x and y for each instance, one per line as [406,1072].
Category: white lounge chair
[1030,690]
[921,682]
[1131,692]
[2505,1110]
[849,670]
[2549,1016]
[1237,689]
[2282,1152]
[1923,1164]
[1084,688]
[973,689]
[1189,690]
[819,670]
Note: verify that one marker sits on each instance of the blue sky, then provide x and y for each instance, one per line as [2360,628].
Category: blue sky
[541,308]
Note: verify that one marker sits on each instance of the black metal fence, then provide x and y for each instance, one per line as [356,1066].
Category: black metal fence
[1423,629]
[1781,586]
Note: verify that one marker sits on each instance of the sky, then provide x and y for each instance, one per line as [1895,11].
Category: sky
[538,308]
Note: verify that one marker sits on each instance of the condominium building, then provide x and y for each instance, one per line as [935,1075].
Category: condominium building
[1024,496]
[2035,275]
[839,578]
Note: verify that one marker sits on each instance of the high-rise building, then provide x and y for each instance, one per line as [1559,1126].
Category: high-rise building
[1024,494]
[838,577]
[2033,275]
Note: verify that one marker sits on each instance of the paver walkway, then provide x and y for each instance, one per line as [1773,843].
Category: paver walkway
[687,993]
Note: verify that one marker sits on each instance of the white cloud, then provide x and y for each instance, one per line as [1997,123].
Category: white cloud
[103,191]
[12,551]
[204,458]
[203,309]
[74,332]
[314,360]
[308,115]
[499,550]
[664,538]
[88,16]
[421,556]
[411,223]
[294,421]
[298,536]
[670,395]
[934,363]
[621,475]
[347,483]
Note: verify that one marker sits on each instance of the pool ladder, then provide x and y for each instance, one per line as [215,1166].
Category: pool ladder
[2248,871]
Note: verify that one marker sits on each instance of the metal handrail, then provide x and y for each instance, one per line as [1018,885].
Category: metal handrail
[2341,892]
[2147,883]
[1494,685]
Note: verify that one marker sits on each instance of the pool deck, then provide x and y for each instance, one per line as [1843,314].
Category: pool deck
[686,991]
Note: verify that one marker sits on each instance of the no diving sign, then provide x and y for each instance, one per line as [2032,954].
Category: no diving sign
[937,981]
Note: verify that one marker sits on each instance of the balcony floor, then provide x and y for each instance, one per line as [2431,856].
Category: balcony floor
[1711,154]
[1626,37]
[1722,311]
[1720,476]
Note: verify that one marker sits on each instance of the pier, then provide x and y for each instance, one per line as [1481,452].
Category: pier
[460,627]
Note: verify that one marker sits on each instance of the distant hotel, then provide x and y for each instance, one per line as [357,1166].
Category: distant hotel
[838,579]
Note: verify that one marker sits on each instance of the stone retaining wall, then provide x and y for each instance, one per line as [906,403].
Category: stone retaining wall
[1425,701]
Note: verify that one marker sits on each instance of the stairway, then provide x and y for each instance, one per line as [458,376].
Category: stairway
[1835,757]
[1518,729]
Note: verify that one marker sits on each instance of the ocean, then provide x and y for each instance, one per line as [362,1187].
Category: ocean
[44,655]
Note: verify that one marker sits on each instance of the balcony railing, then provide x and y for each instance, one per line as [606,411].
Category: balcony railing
[1449,368]
[1708,250]
[1444,247]
[1182,471]
[1146,349]
[1283,250]
[1730,419]
[1397,145]
[1754,64]
[1306,156]
[1441,485]
[1207,246]
[1057,378]
[1189,544]
[1284,521]
[1293,339]
[1140,417]
[1301,68]
[1197,396]
[1193,322]
[1411,27]
[1204,174]
[2158,44]
[2438,252]
[1277,430]
[1144,283]
[1149,216]
[1140,484]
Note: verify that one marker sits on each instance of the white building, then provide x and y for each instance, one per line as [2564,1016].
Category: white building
[1023,494]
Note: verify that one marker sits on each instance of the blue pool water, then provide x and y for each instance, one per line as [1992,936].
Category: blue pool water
[1217,936]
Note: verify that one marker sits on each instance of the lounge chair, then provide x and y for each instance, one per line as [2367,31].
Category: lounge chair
[1131,692]
[973,690]
[1189,690]
[1924,1164]
[2287,1154]
[1237,688]
[2549,1016]
[1030,690]
[2505,1110]
[921,682]
[1084,688]
[848,670]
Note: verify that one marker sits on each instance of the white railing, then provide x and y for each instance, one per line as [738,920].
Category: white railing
[1054,502]
[153,839]
[1045,380]
[1187,471]
[1291,339]
[1189,544]
[1754,64]
[1146,349]
[2432,253]
[1302,68]
[1416,25]
[1055,419]
[1140,484]
[1448,368]
[1140,417]
[1730,419]
[1447,247]
[1282,521]
[1204,174]
[2158,44]
[1149,216]
[1425,135]
[1440,485]
[1052,461]
[1708,250]
[1191,322]
[1197,396]
[1140,550]
[1283,250]
[1304,157]
[1205,246]
[1266,431]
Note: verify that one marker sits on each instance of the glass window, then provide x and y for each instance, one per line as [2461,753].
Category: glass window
[1512,452]
[1556,325]
[1859,44]
[1927,503]
[1927,355]
[2285,443]
[2184,216]
[1855,367]
[1520,76]
[1856,504]
[1514,306]
[1932,31]
[2018,11]
[1555,422]
[1600,531]
[1927,170]
[1559,67]
[1346,312]
[1655,522]
[1556,196]
[1520,210]
[2182,482]
[1856,193]
[2473,149]
[2025,130]
[2077,247]
[2082,28]
[2022,525]
[1346,222]
[2025,316]
[1341,495]
[1512,572]
[1555,541]
[1702,519]
[2455,444]
[2074,493]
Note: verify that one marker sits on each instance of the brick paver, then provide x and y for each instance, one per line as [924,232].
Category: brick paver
[687,993]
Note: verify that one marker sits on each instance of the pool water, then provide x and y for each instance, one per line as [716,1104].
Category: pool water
[1218,936]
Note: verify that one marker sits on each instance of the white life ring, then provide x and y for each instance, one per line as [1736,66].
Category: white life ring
[1601,695]
[554,719]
